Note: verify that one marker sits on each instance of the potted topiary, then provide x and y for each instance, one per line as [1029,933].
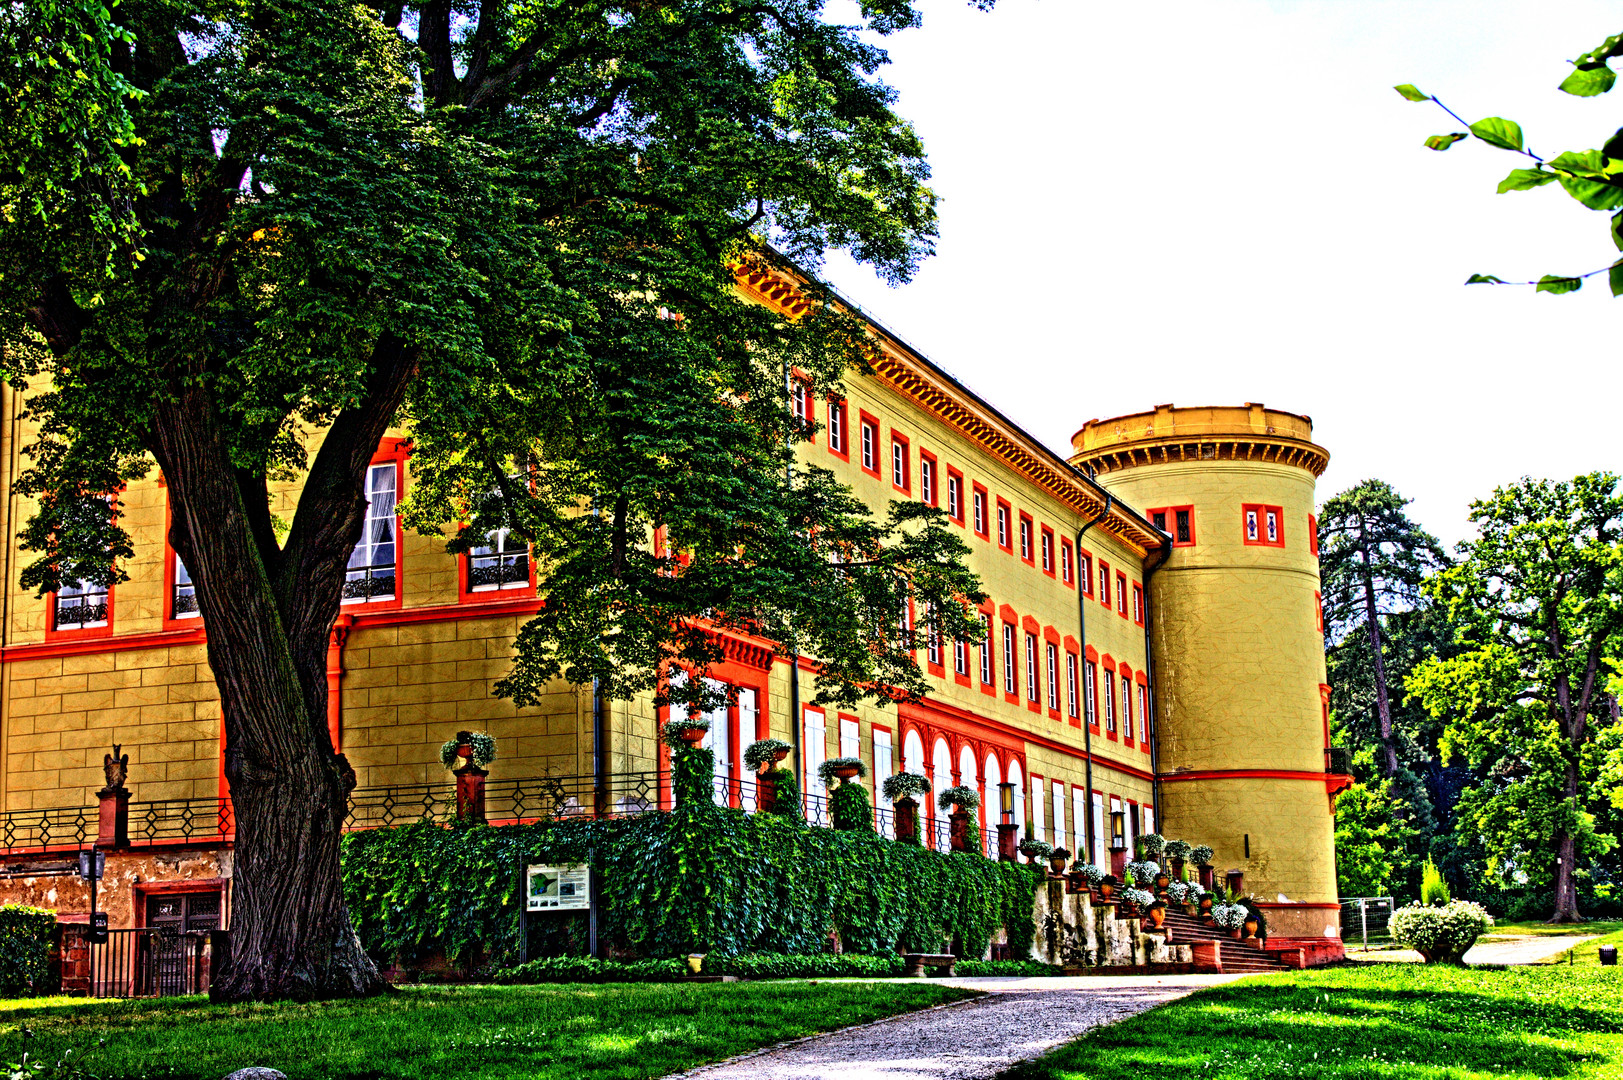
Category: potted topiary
[1136,901]
[474,747]
[1143,874]
[1158,913]
[845,768]
[1230,917]
[900,788]
[1086,874]
[683,731]
[1107,886]
[1205,901]
[1177,854]
[1150,846]
[762,754]
[967,802]
[1202,856]
[1057,858]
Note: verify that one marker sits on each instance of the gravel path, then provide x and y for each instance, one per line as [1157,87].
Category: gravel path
[1017,1019]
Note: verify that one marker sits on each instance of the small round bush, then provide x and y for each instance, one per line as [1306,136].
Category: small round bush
[850,808]
[1143,873]
[1151,844]
[1229,916]
[1441,935]
[678,724]
[1060,853]
[905,785]
[1088,872]
[1142,898]
[1178,849]
[963,796]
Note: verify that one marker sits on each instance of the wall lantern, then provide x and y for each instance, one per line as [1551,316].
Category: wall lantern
[1005,801]
[1118,830]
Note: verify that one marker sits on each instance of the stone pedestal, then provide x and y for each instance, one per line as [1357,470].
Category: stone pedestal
[73,959]
[1118,865]
[1006,842]
[766,794]
[1235,879]
[113,819]
[470,793]
[1208,878]
[959,822]
[907,820]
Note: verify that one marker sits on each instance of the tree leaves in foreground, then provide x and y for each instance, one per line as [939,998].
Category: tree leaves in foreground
[1592,177]
[244,242]
[1538,599]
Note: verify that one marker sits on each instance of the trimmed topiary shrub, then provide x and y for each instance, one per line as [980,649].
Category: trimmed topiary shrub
[1441,935]
[26,934]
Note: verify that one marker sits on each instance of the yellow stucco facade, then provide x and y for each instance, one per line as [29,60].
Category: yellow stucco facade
[1063,557]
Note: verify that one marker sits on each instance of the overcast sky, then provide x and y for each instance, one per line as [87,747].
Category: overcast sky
[1224,201]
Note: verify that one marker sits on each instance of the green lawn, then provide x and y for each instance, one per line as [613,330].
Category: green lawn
[1588,954]
[471,1033]
[1367,1022]
[1544,929]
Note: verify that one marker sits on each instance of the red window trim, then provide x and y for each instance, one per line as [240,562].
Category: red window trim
[743,677]
[866,419]
[169,621]
[954,474]
[1008,516]
[1121,594]
[967,678]
[395,450]
[897,438]
[845,429]
[1138,603]
[1092,662]
[465,593]
[992,646]
[1071,656]
[1318,606]
[1084,570]
[935,470]
[1143,685]
[1125,710]
[1171,513]
[1027,528]
[985,532]
[1262,510]
[1313,535]
[1067,557]
[81,633]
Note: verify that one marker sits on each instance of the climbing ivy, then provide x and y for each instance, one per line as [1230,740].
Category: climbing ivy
[850,808]
[701,878]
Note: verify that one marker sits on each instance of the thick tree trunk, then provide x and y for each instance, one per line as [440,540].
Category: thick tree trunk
[1383,704]
[291,935]
[1566,851]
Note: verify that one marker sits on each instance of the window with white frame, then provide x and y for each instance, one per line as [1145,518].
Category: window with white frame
[800,396]
[1110,702]
[1032,689]
[1079,822]
[883,767]
[500,563]
[1025,539]
[81,605]
[927,480]
[1089,692]
[1101,853]
[870,447]
[371,572]
[1127,706]
[1065,562]
[1008,659]
[960,658]
[980,513]
[1058,791]
[932,640]
[850,737]
[1273,527]
[1002,526]
[1070,684]
[1143,714]
[836,426]
[1038,829]
[898,463]
[183,600]
[986,649]
[955,497]
[1053,676]
[816,751]
[1048,553]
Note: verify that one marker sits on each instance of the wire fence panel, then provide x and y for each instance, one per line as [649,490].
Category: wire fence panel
[1365,920]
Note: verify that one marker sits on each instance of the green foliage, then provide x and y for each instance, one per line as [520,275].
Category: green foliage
[851,809]
[1373,836]
[699,879]
[26,936]
[966,798]
[828,771]
[1440,934]
[1443,142]
[762,752]
[482,745]
[1433,889]
[1410,93]
[904,785]
[786,801]
[1495,131]
[693,774]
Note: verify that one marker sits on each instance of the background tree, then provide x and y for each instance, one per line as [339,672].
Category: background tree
[1372,560]
[1538,597]
[244,242]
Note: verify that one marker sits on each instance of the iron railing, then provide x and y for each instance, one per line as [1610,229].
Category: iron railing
[57,827]
[527,799]
[150,962]
[169,820]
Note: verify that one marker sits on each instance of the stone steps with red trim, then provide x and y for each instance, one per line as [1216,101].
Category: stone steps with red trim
[1237,954]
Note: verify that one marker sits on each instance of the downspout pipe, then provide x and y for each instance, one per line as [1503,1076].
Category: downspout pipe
[1082,672]
[1149,671]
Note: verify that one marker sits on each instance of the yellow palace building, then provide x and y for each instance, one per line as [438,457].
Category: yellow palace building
[1152,662]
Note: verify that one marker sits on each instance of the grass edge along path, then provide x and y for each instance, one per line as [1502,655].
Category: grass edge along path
[629,1031]
[1363,1022]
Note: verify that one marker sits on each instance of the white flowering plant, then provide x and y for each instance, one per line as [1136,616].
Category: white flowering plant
[1178,892]
[1151,844]
[482,745]
[1178,849]
[1036,849]
[1140,898]
[828,770]
[1229,916]
[763,752]
[1089,873]
[1143,873]
[905,785]
[1441,935]
[1202,855]
[965,797]
[678,724]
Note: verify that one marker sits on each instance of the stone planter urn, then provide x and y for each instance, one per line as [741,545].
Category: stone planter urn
[1106,888]
[779,755]
[907,820]
[691,736]
[1250,929]
[1056,864]
[1158,915]
[1161,883]
[1237,934]
[846,772]
[1206,905]
[766,792]
[959,823]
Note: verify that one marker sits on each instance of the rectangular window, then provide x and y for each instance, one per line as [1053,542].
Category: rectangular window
[870,446]
[1121,595]
[183,604]
[986,649]
[927,490]
[1066,559]
[1177,522]
[1110,703]
[1143,714]
[1025,539]
[1032,688]
[1048,552]
[80,605]
[1263,525]
[1003,540]
[801,397]
[960,658]
[1070,686]
[816,752]
[1090,693]
[980,512]
[1318,606]
[1084,574]
[1138,603]
[932,647]
[955,496]
[1079,822]
[1127,707]
[500,563]
[1053,676]
[371,570]
[900,477]
[1009,684]
[1039,829]
[1101,853]
[1104,584]
[836,428]
[1059,812]
[883,766]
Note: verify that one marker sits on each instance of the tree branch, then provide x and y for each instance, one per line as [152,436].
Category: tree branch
[57,315]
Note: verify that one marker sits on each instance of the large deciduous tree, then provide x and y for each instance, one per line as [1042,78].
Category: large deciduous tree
[1372,561]
[243,241]
[1538,598]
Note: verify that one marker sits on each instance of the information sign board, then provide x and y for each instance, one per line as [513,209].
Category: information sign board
[558,888]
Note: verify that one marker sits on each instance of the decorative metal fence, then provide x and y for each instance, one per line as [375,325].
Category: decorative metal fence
[149,962]
[1364,919]
[62,827]
[532,798]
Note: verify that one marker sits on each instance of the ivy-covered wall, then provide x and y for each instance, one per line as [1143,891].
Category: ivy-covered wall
[699,879]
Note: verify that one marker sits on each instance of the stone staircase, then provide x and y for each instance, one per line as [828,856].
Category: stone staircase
[1236,955]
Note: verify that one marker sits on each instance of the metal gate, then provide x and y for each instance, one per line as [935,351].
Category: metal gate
[1364,919]
[149,962]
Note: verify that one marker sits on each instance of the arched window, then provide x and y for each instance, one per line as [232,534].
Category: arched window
[913,754]
[1018,779]
[966,774]
[941,780]
[991,798]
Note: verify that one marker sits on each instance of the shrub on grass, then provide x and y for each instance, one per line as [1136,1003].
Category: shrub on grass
[1441,935]
[25,948]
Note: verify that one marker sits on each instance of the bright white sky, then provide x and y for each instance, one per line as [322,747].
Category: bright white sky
[1225,201]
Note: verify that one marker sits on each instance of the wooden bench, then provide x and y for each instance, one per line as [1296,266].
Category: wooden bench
[918,961]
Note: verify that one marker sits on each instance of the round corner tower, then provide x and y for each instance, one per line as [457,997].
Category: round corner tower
[1241,701]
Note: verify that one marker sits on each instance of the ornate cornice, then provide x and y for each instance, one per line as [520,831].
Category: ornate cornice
[1167,435]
